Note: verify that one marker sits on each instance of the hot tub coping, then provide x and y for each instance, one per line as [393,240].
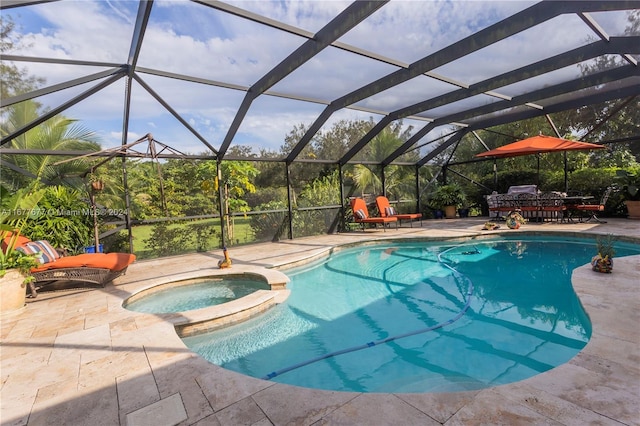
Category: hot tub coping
[201,320]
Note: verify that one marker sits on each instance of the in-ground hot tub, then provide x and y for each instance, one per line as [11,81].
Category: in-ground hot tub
[187,295]
[202,301]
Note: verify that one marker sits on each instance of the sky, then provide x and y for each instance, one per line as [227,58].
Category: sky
[187,38]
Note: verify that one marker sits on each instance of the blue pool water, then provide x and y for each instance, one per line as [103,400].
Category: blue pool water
[418,317]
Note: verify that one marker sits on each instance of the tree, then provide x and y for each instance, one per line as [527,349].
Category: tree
[614,119]
[237,177]
[56,134]
[237,180]
[14,81]
[398,180]
[330,144]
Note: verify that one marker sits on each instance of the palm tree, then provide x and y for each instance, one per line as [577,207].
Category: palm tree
[368,177]
[56,134]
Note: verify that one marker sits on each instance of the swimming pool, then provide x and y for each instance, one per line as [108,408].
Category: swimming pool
[418,317]
[193,294]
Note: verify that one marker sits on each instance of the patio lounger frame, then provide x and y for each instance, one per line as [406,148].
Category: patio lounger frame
[358,204]
[383,204]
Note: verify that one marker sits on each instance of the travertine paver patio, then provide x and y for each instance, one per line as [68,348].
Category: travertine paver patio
[79,358]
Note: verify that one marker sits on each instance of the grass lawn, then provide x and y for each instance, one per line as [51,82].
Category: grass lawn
[242,234]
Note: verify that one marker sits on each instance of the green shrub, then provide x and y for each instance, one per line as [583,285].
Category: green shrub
[166,241]
[592,181]
[203,232]
[270,225]
[118,242]
[64,218]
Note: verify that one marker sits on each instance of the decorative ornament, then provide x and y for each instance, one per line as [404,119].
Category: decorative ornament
[603,261]
[226,263]
[602,264]
[490,226]
[514,220]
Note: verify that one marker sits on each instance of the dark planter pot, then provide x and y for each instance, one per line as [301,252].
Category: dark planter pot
[438,214]
[463,212]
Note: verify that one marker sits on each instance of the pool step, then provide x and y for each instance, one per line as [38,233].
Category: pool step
[214,317]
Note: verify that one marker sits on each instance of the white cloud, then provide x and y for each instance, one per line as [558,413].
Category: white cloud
[187,38]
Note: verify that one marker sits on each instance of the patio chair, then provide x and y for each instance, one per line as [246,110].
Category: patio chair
[361,215]
[92,269]
[505,203]
[552,206]
[386,210]
[593,209]
[528,204]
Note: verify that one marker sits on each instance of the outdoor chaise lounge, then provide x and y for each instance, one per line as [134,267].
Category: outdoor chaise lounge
[387,211]
[361,215]
[96,269]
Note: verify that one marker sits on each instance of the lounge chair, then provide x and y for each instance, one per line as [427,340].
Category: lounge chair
[96,269]
[387,211]
[361,215]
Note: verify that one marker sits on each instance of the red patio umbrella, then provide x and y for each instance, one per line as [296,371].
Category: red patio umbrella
[538,145]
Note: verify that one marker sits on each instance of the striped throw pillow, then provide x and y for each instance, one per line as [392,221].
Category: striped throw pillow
[360,214]
[43,250]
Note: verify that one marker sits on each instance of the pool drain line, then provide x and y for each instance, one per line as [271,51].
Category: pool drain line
[385,340]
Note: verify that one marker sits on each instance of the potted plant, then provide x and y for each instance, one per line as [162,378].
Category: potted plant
[603,261]
[15,265]
[448,198]
[630,190]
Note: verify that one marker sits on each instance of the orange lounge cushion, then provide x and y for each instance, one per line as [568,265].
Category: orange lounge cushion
[20,241]
[112,261]
[378,219]
[408,215]
[391,212]
[386,210]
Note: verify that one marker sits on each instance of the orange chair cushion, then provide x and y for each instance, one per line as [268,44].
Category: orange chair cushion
[112,261]
[20,241]
[591,207]
[383,205]
[359,204]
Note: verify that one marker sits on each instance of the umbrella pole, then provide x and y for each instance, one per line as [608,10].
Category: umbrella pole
[566,178]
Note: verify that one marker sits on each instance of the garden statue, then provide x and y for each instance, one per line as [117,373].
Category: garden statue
[226,263]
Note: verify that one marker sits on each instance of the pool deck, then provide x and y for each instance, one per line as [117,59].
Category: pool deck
[79,358]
